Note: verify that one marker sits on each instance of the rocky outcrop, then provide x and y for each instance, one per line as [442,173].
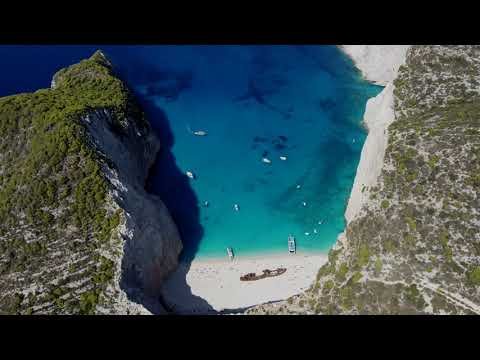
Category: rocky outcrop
[151,240]
[78,232]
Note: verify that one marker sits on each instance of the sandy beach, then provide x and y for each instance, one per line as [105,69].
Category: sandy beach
[207,286]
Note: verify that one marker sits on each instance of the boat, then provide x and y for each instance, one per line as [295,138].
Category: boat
[230,253]
[304,203]
[283,158]
[291,244]
[190,174]
[266,160]
[298,186]
[236,207]
[265,274]
[197,132]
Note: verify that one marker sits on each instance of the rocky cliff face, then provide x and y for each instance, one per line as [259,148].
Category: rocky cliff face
[151,243]
[79,234]
[412,242]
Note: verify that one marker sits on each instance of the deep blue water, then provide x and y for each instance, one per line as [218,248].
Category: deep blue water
[302,102]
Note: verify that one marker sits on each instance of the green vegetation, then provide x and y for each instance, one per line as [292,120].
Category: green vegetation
[327,286]
[385,204]
[52,184]
[433,160]
[474,276]
[363,255]
[412,224]
[378,266]
[413,296]
[342,271]
[355,277]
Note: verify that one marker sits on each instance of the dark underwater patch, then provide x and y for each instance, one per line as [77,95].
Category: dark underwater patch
[260,139]
[327,104]
[249,187]
[171,85]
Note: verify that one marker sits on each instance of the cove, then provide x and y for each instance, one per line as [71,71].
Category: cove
[304,103]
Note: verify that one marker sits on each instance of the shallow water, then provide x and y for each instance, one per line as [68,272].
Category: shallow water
[302,102]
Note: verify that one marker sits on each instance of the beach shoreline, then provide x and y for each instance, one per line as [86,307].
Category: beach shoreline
[213,285]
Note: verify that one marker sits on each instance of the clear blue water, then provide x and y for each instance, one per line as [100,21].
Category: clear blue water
[302,102]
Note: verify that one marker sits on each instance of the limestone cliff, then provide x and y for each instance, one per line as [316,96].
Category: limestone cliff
[378,63]
[79,234]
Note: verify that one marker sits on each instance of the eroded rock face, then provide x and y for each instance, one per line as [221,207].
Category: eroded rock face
[152,242]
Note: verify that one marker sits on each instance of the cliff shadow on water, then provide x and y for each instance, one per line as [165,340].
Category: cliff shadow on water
[168,182]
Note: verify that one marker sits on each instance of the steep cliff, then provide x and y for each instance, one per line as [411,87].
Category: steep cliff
[412,240]
[78,232]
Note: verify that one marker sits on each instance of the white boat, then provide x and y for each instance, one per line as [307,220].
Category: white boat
[230,253]
[291,244]
[283,158]
[266,160]
[304,203]
[307,233]
[236,207]
[298,186]
[190,174]
[197,132]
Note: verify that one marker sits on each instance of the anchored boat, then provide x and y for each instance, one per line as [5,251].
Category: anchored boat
[230,253]
[190,174]
[196,132]
[292,249]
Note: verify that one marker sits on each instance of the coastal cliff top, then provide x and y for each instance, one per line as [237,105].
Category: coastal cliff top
[56,218]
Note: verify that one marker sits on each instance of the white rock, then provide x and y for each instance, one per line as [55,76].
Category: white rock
[378,63]
[150,243]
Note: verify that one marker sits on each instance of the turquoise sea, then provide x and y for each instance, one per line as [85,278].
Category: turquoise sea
[302,102]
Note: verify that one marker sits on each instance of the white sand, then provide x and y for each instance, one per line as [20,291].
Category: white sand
[215,284]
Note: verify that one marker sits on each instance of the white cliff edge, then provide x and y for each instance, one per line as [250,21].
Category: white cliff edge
[378,64]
